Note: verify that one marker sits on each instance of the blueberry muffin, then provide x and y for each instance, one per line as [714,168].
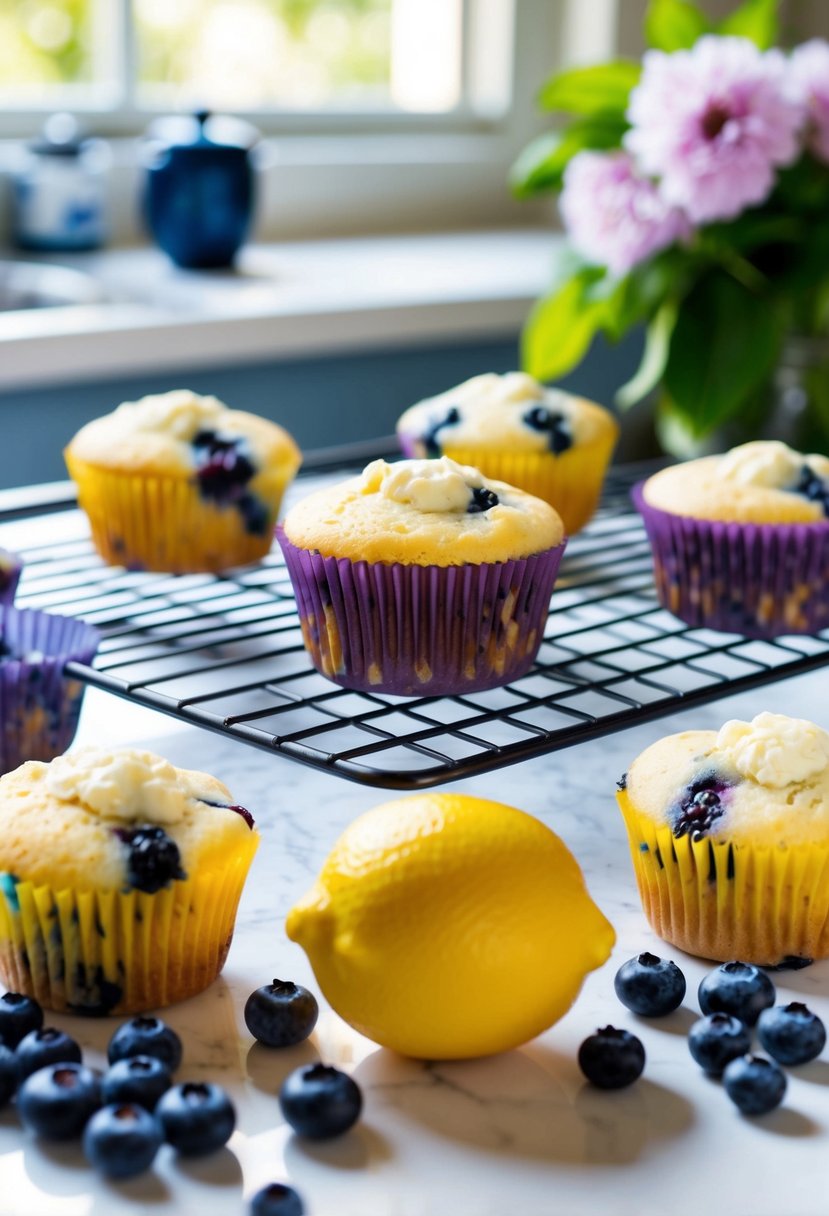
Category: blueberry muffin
[729,835]
[422,577]
[542,440]
[120,876]
[741,541]
[181,483]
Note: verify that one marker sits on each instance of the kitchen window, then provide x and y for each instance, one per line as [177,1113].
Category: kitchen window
[383,115]
[377,59]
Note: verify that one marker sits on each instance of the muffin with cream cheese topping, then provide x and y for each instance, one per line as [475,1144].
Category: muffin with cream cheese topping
[741,541]
[543,440]
[120,876]
[180,483]
[729,836]
[422,578]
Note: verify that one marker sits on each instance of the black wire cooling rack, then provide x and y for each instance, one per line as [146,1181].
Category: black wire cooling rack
[226,653]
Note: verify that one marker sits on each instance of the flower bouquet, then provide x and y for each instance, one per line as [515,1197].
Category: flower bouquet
[694,190]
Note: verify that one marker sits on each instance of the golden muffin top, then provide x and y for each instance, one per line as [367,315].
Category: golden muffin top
[78,821]
[159,435]
[511,410]
[764,782]
[760,482]
[426,513]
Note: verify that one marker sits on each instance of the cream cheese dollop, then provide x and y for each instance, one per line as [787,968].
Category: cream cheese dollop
[127,785]
[775,750]
[769,464]
[429,486]
[181,414]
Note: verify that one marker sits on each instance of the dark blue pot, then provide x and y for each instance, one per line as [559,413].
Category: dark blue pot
[199,200]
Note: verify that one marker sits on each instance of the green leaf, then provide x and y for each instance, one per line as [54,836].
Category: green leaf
[754,19]
[602,88]
[654,357]
[560,328]
[674,25]
[542,163]
[724,345]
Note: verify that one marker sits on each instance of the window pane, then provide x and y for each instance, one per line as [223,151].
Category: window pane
[299,54]
[47,45]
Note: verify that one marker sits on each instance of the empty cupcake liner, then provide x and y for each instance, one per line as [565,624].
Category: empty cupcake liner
[720,900]
[39,705]
[421,630]
[101,952]
[164,524]
[760,580]
[10,569]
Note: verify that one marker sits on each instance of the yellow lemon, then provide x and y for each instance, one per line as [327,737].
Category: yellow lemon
[446,926]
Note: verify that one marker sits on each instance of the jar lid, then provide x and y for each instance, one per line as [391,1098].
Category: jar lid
[60,136]
[203,130]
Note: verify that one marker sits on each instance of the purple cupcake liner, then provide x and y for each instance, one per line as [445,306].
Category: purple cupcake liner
[10,568]
[39,706]
[421,631]
[760,580]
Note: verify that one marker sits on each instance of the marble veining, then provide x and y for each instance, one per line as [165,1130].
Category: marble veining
[517,1133]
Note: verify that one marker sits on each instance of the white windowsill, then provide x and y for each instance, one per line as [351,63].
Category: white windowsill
[286,300]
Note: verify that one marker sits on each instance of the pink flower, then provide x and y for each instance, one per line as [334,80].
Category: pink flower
[614,217]
[714,123]
[809,83]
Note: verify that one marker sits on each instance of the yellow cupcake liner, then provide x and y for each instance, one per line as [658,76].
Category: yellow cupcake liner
[571,482]
[723,900]
[101,952]
[164,524]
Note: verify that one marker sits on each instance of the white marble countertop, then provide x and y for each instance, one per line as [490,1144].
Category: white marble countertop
[518,1133]
[281,301]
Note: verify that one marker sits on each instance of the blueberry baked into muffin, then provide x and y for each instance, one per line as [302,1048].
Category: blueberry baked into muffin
[180,483]
[422,577]
[120,876]
[729,836]
[542,440]
[741,541]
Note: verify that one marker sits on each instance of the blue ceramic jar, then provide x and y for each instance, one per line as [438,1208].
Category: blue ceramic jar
[199,189]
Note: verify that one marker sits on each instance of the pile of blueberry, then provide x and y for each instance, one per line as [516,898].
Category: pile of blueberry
[734,999]
[125,1115]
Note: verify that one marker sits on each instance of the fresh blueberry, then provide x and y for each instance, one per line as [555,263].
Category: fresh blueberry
[122,1140]
[553,424]
[791,1033]
[281,1014]
[611,1058]
[19,1015]
[699,808]
[58,1101]
[197,1118]
[740,989]
[482,500]
[8,1075]
[39,1048]
[139,1080]
[146,1036]
[320,1102]
[754,1084]
[277,1200]
[153,859]
[716,1039]
[650,986]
